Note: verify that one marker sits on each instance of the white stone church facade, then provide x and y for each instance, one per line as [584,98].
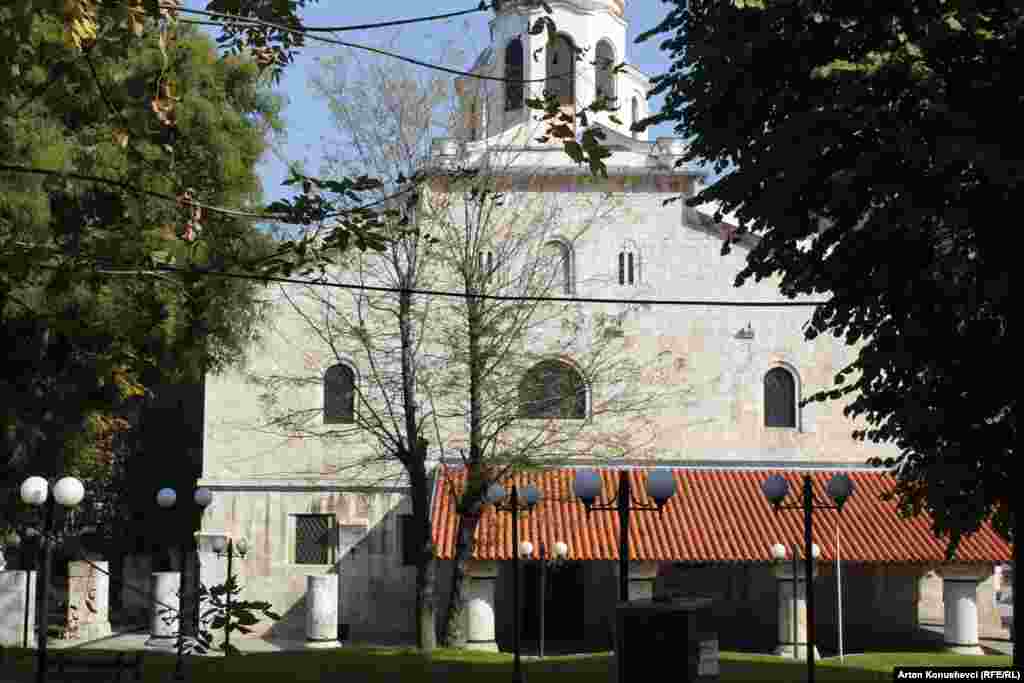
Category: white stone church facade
[745,368]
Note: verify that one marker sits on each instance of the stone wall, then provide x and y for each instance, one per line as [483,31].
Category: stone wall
[376,593]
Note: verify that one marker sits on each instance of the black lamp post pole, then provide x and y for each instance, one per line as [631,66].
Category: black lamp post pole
[42,624]
[543,597]
[227,599]
[514,503]
[809,569]
[623,500]
[796,637]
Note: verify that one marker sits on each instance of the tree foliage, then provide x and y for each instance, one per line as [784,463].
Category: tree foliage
[90,324]
[871,148]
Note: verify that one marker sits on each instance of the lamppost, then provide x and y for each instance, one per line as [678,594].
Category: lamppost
[661,486]
[226,546]
[839,489]
[561,550]
[69,492]
[530,496]
[166,498]
[779,553]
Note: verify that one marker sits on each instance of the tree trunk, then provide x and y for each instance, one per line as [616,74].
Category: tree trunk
[426,579]
[454,634]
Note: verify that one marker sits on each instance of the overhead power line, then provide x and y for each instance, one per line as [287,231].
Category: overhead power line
[356,46]
[463,295]
[482,7]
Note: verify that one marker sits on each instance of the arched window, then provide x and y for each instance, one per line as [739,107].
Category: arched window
[514,74]
[604,65]
[339,394]
[629,265]
[561,70]
[636,117]
[779,398]
[560,255]
[555,389]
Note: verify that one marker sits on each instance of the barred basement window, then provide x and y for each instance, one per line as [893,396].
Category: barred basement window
[313,539]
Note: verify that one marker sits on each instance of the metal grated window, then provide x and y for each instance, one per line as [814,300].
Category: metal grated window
[313,539]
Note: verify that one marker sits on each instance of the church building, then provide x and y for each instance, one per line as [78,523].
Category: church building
[736,376]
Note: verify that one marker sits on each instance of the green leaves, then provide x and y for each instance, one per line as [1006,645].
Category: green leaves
[876,126]
[226,615]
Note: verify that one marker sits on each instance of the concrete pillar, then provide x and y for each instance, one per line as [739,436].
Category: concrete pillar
[784,581]
[88,600]
[960,607]
[163,631]
[641,580]
[322,610]
[15,587]
[481,579]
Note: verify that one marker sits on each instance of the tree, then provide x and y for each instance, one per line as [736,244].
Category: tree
[867,149]
[86,336]
[527,382]
[467,373]
[269,32]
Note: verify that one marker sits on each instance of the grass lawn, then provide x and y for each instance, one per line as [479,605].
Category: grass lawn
[455,666]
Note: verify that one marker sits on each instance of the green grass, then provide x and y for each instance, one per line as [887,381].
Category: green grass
[457,666]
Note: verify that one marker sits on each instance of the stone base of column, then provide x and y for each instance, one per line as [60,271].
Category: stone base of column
[93,631]
[322,644]
[482,645]
[964,649]
[786,650]
[169,643]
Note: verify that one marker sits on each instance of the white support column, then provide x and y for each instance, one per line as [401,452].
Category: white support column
[784,581]
[17,586]
[164,617]
[641,580]
[960,607]
[481,580]
[322,611]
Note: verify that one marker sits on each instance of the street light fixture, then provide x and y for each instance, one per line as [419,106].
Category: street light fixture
[68,491]
[559,552]
[661,485]
[166,498]
[226,545]
[839,489]
[496,496]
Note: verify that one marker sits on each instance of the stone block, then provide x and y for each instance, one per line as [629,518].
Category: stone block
[88,615]
[17,586]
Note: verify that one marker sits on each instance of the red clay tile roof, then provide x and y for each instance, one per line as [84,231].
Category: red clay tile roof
[715,516]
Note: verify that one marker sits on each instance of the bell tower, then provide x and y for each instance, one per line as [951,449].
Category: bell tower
[575,66]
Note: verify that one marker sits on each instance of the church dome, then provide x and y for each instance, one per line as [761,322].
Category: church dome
[616,7]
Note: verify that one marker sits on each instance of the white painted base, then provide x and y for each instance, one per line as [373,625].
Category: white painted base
[965,650]
[483,647]
[787,651]
[162,643]
[322,644]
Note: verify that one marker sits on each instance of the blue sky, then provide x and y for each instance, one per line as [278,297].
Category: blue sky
[307,118]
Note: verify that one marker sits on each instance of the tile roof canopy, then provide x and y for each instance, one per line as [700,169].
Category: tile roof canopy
[715,516]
